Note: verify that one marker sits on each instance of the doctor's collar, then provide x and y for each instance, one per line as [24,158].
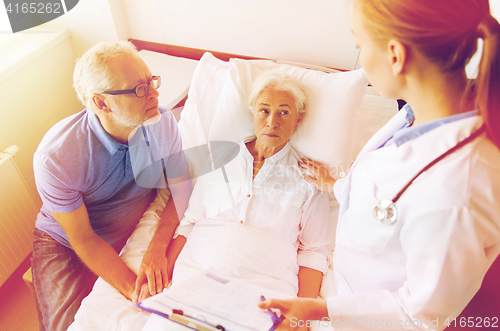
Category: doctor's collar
[409,132]
[410,116]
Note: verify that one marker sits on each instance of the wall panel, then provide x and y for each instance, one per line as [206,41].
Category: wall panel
[316,32]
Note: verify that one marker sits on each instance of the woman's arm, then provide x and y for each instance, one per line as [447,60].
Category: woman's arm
[173,251]
[153,269]
[309,282]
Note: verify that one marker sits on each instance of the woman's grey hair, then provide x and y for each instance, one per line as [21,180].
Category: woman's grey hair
[278,81]
[92,74]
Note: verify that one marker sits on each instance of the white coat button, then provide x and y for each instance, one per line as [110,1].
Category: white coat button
[248,195]
[342,174]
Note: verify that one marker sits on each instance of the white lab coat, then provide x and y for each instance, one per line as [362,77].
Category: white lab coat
[430,263]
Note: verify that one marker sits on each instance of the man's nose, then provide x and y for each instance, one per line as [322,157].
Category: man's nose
[152,92]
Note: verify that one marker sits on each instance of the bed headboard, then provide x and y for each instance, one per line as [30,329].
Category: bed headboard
[196,54]
[185,52]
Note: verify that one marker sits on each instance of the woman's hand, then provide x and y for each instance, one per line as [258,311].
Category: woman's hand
[298,312]
[138,297]
[322,179]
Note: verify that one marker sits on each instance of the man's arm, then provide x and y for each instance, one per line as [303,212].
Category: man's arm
[95,252]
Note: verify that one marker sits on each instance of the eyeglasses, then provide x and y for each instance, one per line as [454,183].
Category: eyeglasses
[141,89]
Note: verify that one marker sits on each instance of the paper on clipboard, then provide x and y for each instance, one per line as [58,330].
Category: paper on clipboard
[218,300]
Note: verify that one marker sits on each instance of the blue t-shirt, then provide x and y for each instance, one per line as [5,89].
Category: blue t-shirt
[78,162]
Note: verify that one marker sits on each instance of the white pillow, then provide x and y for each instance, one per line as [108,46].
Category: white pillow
[326,133]
[201,104]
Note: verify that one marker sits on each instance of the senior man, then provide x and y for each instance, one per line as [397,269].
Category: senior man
[87,182]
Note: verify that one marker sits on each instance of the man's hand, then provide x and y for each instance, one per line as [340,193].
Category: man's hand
[152,273]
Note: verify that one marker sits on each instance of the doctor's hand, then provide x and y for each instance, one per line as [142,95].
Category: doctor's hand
[297,312]
[152,276]
[322,179]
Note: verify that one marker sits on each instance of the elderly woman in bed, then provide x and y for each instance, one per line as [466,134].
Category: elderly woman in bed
[263,223]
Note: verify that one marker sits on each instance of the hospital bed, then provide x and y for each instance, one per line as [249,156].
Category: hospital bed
[343,113]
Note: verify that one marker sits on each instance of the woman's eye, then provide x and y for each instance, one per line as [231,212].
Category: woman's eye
[264,111]
[284,112]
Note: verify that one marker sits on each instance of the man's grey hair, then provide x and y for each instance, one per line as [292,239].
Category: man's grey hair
[278,81]
[92,74]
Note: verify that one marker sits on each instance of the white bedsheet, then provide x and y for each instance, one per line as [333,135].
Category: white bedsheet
[239,251]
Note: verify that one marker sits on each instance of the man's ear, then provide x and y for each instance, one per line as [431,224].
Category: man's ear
[398,56]
[100,103]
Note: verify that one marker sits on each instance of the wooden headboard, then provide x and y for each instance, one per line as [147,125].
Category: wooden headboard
[185,52]
[196,53]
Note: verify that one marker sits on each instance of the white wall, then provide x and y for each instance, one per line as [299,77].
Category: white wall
[90,22]
[315,32]
[34,97]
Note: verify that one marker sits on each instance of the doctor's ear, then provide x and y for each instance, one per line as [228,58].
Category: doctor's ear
[398,56]
[100,103]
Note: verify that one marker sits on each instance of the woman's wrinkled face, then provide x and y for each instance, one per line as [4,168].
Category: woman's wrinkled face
[275,118]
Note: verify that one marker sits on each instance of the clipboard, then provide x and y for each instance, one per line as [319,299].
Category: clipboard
[211,302]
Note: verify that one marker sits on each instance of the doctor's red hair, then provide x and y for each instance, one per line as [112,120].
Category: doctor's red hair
[447,33]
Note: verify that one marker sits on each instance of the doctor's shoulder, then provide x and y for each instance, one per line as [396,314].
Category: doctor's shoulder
[475,168]
[484,177]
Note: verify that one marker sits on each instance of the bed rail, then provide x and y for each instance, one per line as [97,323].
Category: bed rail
[185,52]
[196,54]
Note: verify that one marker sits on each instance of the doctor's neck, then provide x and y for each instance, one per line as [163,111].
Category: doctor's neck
[434,94]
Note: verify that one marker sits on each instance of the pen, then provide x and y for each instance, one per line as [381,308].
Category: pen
[271,313]
[192,322]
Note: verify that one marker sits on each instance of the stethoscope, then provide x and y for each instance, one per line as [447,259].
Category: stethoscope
[386,211]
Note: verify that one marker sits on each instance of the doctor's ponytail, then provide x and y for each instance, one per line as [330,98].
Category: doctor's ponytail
[447,33]
[487,83]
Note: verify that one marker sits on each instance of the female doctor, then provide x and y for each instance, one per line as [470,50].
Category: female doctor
[419,221]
